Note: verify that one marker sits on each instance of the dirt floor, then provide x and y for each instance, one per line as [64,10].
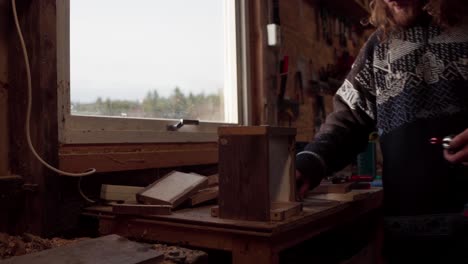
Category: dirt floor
[11,246]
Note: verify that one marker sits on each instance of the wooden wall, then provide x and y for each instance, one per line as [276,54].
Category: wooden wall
[4,21]
[308,52]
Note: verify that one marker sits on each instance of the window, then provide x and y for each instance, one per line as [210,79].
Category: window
[129,69]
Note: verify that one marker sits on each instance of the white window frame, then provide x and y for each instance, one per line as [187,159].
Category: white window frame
[79,129]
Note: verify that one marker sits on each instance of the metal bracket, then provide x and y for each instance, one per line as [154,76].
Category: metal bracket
[181,123]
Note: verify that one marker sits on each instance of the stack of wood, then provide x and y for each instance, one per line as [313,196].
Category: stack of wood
[162,196]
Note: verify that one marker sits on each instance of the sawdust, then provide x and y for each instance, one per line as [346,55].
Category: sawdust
[11,246]
[19,245]
[178,255]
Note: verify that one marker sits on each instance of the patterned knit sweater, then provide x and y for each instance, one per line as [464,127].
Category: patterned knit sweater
[410,87]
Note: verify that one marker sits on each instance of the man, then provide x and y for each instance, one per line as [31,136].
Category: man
[410,82]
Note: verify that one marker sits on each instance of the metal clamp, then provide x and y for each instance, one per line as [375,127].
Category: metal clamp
[181,123]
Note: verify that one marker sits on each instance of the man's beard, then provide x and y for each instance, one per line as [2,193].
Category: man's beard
[405,18]
[408,14]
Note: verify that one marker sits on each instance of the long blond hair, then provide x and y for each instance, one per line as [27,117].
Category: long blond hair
[443,12]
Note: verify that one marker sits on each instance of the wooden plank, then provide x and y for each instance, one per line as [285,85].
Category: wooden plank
[123,157]
[256,168]
[172,189]
[119,192]
[243,177]
[282,169]
[256,130]
[213,180]
[344,197]
[326,187]
[283,211]
[215,211]
[111,249]
[204,195]
[140,209]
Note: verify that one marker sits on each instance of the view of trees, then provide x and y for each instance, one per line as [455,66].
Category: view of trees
[176,106]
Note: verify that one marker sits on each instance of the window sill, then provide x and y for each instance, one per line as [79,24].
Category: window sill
[124,157]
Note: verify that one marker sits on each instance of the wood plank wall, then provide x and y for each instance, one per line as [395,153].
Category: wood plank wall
[307,52]
[4,22]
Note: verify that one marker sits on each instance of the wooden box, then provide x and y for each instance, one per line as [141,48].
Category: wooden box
[256,169]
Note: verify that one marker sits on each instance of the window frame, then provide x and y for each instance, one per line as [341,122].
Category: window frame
[79,129]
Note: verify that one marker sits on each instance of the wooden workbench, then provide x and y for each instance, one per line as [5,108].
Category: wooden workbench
[249,242]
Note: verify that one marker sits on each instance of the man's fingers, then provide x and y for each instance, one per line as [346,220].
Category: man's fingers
[460,140]
[460,156]
[298,175]
[304,189]
[458,151]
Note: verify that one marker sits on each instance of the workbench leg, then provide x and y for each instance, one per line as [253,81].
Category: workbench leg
[244,251]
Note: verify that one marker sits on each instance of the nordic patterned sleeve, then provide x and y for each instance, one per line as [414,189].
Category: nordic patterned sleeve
[346,131]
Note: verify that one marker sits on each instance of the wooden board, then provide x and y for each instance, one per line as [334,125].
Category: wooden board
[120,192]
[280,211]
[283,211]
[213,180]
[344,197]
[172,189]
[243,177]
[140,209]
[282,169]
[326,187]
[111,249]
[256,168]
[204,195]
[214,211]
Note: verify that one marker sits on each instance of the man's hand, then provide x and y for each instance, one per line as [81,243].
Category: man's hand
[303,185]
[459,147]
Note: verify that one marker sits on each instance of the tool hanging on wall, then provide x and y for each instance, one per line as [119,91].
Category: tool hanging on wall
[325,25]
[318,24]
[286,107]
[343,40]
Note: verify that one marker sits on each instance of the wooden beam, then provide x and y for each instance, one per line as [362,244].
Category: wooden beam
[263,70]
[38,22]
[140,209]
[4,28]
[123,157]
